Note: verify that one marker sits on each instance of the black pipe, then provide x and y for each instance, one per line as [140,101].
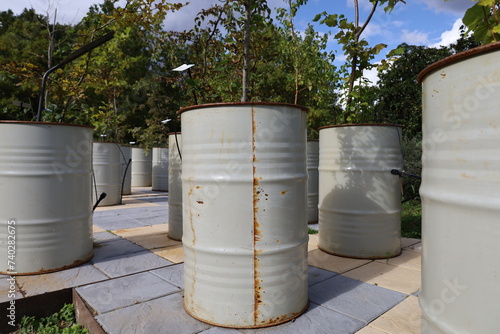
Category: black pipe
[177,144]
[103,195]
[123,181]
[78,53]
[402,173]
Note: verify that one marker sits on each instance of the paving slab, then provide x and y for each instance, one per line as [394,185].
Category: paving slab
[220,330]
[415,248]
[402,319]
[157,240]
[156,199]
[407,259]
[163,219]
[174,254]
[356,299]
[100,237]
[371,330]
[388,276]
[97,229]
[316,275]
[134,213]
[108,249]
[9,289]
[125,291]
[406,242]
[68,278]
[316,319]
[131,263]
[161,315]
[99,213]
[311,247]
[117,223]
[142,231]
[338,264]
[172,274]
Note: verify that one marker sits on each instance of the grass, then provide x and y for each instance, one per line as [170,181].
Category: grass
[411,219]
[311,231]
[62,322]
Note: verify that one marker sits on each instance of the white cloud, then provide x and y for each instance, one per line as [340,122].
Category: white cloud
[449,36]
[371,75]
[457,7]
[415,37]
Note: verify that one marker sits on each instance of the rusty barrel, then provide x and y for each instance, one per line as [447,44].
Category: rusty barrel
[45,196]
[160,169]
[107,164]
[244,182]
[359,198]
[174,186]
[142,167]
[312,180]
[460,193]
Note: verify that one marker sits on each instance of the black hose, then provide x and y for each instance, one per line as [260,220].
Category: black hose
[402,173]
[177,144]
[103,195]
[123,180]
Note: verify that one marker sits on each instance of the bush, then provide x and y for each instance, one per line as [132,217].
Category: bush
[62,322]
[412,153]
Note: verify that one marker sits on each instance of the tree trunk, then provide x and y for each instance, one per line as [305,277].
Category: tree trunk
[246,52]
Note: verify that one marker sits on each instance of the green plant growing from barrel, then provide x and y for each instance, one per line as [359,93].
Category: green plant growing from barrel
[483,20]
[359,55]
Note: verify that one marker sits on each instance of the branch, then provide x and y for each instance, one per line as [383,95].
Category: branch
[358,34]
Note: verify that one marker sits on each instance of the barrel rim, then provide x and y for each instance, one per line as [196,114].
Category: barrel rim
[456,58]
[7,121]
[313,140]
[221,104]
[174,133]
[361,124]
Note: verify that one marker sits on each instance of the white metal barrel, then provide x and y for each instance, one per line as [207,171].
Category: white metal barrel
[160,169]
[244,181]
[106,160]
[461,193]
[45,196]
[359,199]
[142,163]
[312,181]
[126,172]
[174,186]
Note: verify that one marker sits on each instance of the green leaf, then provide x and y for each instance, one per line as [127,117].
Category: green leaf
[473,16]
[487,3]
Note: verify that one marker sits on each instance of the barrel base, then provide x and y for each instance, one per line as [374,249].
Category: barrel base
[361,257]
[173,238]
[43,271]
[273,322]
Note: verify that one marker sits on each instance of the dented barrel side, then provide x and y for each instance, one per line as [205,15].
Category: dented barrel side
[45,196]
[245,236]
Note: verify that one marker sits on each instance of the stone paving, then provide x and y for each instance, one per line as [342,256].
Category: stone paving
[134,283]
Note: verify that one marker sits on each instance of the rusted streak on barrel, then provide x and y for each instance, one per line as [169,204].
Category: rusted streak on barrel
[256,230]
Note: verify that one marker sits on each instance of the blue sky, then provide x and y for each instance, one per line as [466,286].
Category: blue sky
[418,22]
